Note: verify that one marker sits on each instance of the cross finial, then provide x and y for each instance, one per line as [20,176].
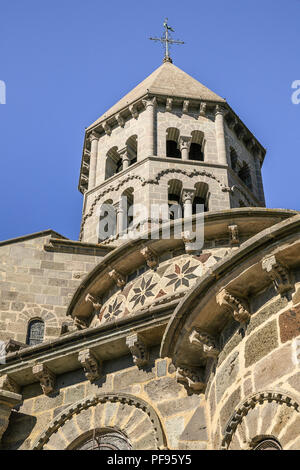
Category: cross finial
[166,40]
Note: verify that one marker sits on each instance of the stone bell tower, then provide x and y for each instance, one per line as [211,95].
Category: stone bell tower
[169,140]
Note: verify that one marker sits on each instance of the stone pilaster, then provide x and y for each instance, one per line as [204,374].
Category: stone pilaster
[94,139]
[220,134]
[150,106]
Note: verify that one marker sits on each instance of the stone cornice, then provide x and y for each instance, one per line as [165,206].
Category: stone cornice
[43,233]
[72,246]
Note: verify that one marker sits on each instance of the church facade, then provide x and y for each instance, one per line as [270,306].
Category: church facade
[151,342]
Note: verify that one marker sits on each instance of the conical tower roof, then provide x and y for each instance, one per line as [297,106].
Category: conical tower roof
[165,80]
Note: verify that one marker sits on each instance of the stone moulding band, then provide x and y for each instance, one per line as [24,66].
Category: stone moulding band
[143,181]
[243,409]
[77,407]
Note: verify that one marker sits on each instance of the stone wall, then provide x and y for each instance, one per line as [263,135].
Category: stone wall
[256,386]
[35,283]
[147,405]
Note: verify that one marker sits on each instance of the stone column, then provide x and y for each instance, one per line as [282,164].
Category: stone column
[220,134]
[121,210]
[184,145]
[187,200]
[124,157]
[150,105]
[7,401]
[94,139]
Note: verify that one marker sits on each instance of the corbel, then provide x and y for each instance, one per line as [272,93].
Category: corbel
[120,120]
[117,277]
[185,106]
[191,378]
[204,343]
[149,256]
[106,128]
[278,273]
[233,234]
[46,378]
[95,301]
[234,306]
[138,349]
[8,384]
[169,104]
[202,109]
[91,365]
[133,111]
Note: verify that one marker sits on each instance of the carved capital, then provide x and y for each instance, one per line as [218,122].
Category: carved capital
[191,378]
[106,128]
[220,110]
[91,365]
[93,136]
[169,104]
[120,120]
[138,349]
[187,195]
[94,301]
[150,257]
[133,111]
[185,106]
[45,376]
[117,277]
[278,273]
[185,142]
[8,384]
[204,343]
[202,109]
[233,305]
[233,234]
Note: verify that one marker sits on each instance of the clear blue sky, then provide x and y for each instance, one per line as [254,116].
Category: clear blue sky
[65,62]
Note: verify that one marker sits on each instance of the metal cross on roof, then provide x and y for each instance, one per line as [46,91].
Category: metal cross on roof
[166,40]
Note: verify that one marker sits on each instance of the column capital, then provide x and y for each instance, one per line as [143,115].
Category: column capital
[149,102]
[185,142]
[187,195]
[93,136]
[220,110]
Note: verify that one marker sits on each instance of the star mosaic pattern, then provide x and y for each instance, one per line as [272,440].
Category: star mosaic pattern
[182,275]
[142,292]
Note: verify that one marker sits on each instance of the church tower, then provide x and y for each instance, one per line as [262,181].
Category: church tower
[169,140]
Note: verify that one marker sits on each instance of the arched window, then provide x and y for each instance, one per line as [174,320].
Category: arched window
[107,222]
[35,332]
[201,196]
[174,193]
[266,443]
[172,149]
[102,440]
[127,201]
[132,145]
[233,158]
[113,162]
[244,174]
[197,146]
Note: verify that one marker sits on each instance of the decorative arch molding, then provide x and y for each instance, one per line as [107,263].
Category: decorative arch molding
[252,402]
[37,313]
[102,398]
[110,189]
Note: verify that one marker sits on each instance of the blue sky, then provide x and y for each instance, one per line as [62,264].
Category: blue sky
[65,62]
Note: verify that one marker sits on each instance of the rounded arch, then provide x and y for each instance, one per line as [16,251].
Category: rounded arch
[132,148]
[174,196]
[172,139]
[196,151]
[37,313]
[35,331]
[201,196]
[107,220]
[113,162]
[123,412]
[101,439]
[259,420]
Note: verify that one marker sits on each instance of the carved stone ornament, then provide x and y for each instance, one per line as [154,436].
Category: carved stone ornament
[220,110]
[93,136]
[149,102]
[94,301]
[80,323]
[150,257]
[106,128]
[191,378]
[120,120]
[202,109]
[117,277]
[278,273]
[185,106]
[133,111]
[45,376]
[204,343]
[138,349]
[86,155]
[184,142]
[233,234]
[187,195]
[233,305]
[7,383]
[91,365]
[169,104]
[188,236]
